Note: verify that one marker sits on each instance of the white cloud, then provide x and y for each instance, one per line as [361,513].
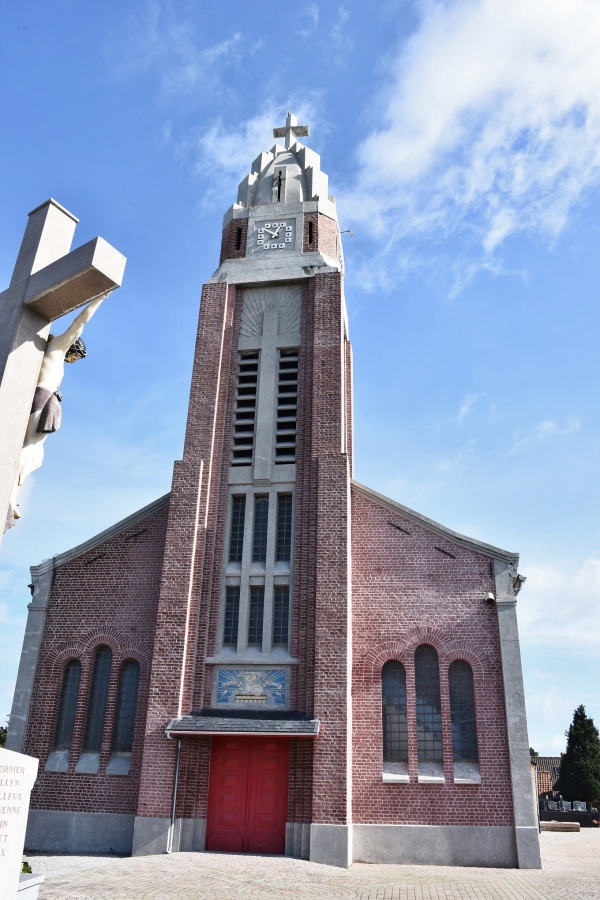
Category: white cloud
[542,431]
[490,125]
[467,404]
[310,20]
[153,37]
[339,38]
[560,606]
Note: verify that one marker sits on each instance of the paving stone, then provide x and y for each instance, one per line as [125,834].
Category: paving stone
[571,869]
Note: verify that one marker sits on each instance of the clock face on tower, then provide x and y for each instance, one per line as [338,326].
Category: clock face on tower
[277,236]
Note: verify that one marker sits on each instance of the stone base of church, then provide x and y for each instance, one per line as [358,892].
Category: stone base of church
[528,847]
[331,845]
[297,840]
[448,845]
[79,832]
[151,836]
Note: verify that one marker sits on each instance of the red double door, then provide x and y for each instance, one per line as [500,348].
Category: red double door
[247,795]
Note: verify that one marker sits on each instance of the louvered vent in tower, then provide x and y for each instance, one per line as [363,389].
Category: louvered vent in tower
[245,409]
[287,407]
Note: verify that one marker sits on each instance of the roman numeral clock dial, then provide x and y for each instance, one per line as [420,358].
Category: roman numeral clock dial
[276,235]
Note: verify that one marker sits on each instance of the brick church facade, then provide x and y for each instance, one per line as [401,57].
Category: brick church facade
[274,658]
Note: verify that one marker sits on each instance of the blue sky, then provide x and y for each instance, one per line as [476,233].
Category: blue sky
[462,141]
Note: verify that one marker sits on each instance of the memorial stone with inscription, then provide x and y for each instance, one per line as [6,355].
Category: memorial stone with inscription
[17,777]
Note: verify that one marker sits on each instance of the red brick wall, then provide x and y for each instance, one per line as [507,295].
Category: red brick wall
[324,234]
[192,793]
[108,596]
[229,241]
[405,593]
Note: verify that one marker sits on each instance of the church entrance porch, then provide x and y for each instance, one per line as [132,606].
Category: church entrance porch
[247,794]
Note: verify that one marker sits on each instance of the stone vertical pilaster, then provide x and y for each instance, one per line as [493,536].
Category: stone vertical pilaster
[526,826]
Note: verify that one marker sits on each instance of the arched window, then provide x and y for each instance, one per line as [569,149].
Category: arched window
[94,727]
[429,712]
[67,708]
[462,712]
[126,707]
[395,730]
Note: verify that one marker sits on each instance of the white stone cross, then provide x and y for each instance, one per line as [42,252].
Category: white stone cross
[48,281]
[291,130]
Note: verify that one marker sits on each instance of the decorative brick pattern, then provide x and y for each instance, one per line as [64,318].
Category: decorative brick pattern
[401,582]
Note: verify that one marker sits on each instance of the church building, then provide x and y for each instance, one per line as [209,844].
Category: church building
[274,658]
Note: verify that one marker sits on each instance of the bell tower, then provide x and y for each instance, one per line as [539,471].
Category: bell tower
[253,631]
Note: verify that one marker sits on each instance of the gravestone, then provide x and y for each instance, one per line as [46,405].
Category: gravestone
[17,777]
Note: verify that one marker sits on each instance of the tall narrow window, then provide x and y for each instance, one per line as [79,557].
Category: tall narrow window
[462,712]
[281,615]
[429,712]
[126,707]
[92,742]
[232,615]
[255,618]
[284,528]
[261,520]
[395,728]
[245,409]
[236,539]
[67,708]
[238,238]
[287,407]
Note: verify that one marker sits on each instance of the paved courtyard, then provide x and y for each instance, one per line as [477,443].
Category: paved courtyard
[571,869]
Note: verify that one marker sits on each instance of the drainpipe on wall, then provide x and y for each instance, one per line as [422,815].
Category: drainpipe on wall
[174,803]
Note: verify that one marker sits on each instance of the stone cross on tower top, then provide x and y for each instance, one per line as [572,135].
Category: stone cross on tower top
[291,130]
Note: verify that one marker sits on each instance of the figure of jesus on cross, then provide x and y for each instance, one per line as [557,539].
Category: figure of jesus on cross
[49,280]
[46,412]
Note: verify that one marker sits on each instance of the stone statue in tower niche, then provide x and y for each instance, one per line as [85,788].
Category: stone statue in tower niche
[45,416]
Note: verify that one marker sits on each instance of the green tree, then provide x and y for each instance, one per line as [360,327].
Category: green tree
[3,730]
[533,753]
[580,766]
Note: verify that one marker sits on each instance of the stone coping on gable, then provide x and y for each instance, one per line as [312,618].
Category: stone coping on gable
[61,558]
[453,536]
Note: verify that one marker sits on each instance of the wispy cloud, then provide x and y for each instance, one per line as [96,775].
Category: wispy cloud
[466,406]
[154,37]
[561,605]
[339,37]
[310,15]
[490,126]
[541,432]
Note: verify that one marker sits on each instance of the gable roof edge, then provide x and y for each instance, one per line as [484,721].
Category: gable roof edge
[453,536]
[61,558]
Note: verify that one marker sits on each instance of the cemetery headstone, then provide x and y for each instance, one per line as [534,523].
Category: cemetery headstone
[17,777]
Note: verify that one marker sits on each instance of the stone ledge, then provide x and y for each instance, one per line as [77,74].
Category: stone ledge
[560,826]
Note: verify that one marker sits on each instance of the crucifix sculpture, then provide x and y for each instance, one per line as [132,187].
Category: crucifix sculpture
[49,280]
